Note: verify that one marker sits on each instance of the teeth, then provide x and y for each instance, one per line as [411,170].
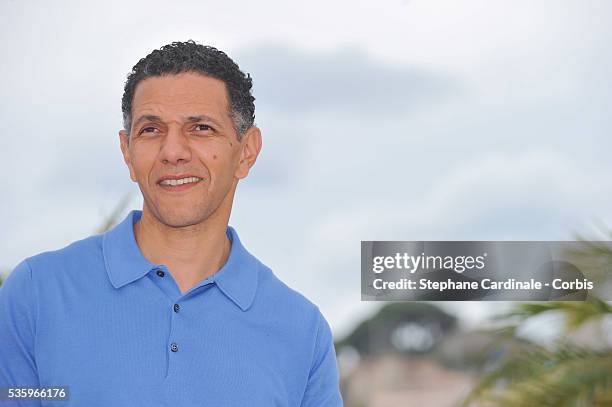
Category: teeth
[181,181]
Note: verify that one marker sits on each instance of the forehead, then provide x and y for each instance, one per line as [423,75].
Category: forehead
[182,94]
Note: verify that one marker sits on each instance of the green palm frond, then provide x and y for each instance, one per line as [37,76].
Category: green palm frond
[567,376]
[593,257]
[576,313]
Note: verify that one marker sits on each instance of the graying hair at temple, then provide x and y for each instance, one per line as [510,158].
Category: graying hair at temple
[180,57]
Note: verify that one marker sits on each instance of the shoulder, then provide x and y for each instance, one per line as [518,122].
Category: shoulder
[297,315]
[73,251]
[290,307]
[18,283]
[73,256]
[280,296]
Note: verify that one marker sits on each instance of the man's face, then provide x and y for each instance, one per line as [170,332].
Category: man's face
[181,128]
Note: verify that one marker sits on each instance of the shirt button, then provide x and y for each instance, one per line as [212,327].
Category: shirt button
[174,347]
[177,307]
[160,273]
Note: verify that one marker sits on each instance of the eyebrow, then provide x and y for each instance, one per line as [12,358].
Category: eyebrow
[202,118]
[147,117]
[190,119]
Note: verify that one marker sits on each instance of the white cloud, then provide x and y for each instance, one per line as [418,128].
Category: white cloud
[503,132]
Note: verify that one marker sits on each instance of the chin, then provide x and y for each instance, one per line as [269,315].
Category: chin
[181,218]
[179,221]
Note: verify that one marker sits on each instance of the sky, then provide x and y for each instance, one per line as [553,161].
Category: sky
[388,120]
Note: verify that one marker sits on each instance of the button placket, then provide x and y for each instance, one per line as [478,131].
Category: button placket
[174,346]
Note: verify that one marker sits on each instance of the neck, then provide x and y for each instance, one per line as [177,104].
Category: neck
[191,253]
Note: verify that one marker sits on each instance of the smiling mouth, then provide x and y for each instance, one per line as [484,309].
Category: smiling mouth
[175,182]
[181,184]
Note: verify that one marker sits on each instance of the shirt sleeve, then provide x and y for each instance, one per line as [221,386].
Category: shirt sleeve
[18,309]
[323,388]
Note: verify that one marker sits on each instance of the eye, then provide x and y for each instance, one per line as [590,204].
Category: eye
[147,130]
[203,127]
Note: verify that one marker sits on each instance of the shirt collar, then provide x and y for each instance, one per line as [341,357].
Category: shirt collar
[125,263]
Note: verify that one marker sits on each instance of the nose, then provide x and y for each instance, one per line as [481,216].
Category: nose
[175,148]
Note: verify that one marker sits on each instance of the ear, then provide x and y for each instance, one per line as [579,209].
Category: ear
[250,147]
[124,141]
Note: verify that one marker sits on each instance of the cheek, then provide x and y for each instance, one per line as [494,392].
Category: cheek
[221,169]
[142,162]
[216,156]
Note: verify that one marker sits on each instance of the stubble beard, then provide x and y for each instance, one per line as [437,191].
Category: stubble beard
[187,216]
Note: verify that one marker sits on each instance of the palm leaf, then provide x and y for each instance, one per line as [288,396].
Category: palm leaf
[575,312]
[567,376]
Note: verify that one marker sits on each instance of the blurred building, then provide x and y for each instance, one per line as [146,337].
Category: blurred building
[411,354]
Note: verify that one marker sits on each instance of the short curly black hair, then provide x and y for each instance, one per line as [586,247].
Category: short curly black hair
[189,56]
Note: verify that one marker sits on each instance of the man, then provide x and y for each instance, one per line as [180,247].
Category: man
[168,308]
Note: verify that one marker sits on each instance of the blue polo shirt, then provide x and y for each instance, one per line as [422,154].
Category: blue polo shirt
[99,318]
